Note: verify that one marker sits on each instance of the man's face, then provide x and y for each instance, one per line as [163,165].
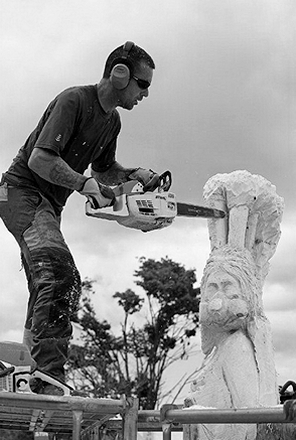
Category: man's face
[137,88]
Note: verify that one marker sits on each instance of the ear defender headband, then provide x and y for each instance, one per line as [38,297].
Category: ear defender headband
[122,68]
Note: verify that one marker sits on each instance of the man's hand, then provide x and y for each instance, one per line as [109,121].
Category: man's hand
[99,195]
[148,178]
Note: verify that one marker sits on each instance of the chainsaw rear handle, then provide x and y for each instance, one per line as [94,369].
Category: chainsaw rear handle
[51,380]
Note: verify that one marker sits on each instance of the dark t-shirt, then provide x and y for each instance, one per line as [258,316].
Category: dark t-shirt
[75,127]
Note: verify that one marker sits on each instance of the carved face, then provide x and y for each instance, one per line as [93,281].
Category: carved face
[222,302]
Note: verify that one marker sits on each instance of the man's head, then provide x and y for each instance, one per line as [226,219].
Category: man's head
[130,55]
[129,69]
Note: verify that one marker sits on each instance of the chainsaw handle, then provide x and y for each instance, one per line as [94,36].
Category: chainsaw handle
[128,188]
[165,181]
[163,184]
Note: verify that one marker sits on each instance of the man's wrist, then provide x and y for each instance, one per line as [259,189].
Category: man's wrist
[81,183]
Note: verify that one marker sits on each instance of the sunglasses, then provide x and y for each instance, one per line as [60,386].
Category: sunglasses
[142,83]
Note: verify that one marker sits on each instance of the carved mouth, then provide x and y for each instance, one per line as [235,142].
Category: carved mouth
[224,320]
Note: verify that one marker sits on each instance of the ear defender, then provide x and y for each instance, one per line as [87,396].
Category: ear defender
[120,76]
[122,69]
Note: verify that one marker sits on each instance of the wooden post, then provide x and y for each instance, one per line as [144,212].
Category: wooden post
[77,418]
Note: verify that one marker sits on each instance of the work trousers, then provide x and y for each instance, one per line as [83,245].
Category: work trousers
[53,280]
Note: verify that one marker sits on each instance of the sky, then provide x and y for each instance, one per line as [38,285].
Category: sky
[222,99]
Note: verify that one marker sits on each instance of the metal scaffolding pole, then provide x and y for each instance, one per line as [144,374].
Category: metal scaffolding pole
[173,414]
[224,416]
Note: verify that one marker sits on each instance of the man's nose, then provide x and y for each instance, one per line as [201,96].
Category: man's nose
[145,93]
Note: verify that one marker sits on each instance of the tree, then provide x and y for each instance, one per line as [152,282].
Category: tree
[133,362]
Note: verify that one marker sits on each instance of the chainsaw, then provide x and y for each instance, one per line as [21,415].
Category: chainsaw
[137,209]
[17,368]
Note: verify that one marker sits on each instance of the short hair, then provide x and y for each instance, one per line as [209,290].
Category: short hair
[135,57]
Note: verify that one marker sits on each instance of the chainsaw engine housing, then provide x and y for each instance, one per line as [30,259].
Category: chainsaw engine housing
[150,211]
[138,210]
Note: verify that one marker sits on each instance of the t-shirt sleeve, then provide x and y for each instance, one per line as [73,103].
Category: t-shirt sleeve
[59,122]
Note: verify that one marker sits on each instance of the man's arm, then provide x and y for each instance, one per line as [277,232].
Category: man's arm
[117,174]
[54,169]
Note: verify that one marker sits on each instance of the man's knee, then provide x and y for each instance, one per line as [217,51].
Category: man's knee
[58,285]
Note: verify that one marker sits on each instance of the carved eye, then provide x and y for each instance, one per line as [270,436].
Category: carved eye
[234,296]
[211,288]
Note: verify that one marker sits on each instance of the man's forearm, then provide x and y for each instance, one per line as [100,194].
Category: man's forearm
[114,175]
[55,170]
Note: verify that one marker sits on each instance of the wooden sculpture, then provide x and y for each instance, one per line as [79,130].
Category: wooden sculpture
[238,369]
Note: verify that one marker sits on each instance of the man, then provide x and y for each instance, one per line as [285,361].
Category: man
[79,127]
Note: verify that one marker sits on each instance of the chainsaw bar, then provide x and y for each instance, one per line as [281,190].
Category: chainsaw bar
[188,210]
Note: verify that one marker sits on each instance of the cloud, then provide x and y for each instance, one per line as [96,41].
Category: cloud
[284,335]
[279,289]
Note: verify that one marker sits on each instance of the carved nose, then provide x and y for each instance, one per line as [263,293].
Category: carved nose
[215,304]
